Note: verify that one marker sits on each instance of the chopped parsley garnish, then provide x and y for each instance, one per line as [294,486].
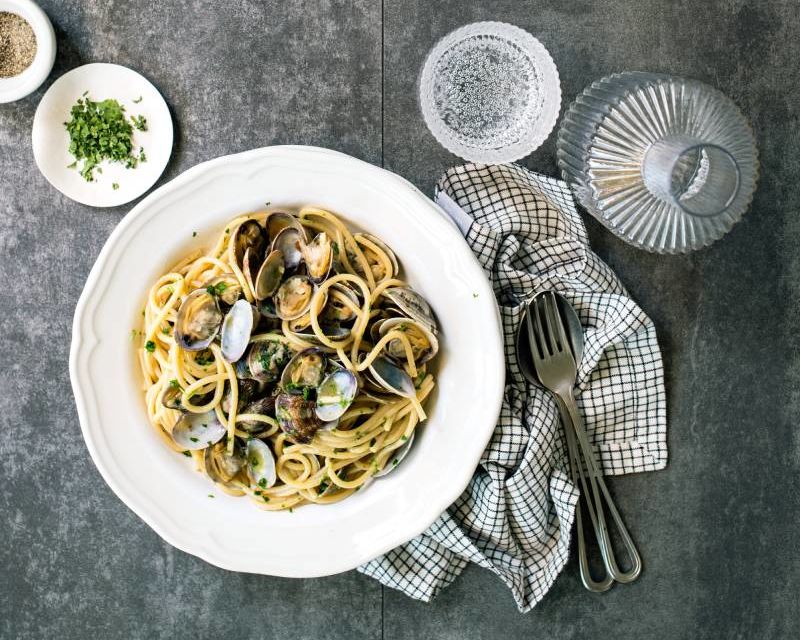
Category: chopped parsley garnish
[150,346]
[165,330]
[395,462]
[174,384]
[404,438]
[101,131]
[194,439]
[474,295]
[323,486]
[217,289]
[188,454]
[291,510]
[306,392]
[137,100]
[264,498]
[115,185]
[210,495]
[140,122]
[194,234]
[262,483]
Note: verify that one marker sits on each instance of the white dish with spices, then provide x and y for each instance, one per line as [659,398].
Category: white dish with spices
[102,135]
[27,48]
[163,488]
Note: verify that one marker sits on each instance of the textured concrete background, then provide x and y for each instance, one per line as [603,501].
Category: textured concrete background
[717,529]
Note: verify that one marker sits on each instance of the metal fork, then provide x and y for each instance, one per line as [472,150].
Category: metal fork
[555,366]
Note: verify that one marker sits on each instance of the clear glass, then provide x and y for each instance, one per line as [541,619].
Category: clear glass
[668,164]
[489,92]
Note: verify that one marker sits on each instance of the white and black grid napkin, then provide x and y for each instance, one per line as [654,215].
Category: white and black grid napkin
[516,515]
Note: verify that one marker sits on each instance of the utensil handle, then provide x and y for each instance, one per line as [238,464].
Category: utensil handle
[599,486]
[576,471]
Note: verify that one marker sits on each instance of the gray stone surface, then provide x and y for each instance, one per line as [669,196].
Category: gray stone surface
[717,528]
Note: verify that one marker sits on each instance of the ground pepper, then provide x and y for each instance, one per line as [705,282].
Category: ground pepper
[17,44]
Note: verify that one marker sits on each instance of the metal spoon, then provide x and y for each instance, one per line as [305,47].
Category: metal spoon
[576,469]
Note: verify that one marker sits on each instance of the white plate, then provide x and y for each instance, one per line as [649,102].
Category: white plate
[51,140]
[162,488]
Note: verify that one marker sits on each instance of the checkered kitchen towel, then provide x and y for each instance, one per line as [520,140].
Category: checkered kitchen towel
[516,515]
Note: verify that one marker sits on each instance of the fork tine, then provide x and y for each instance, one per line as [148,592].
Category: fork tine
[536,350]
[558,322]
[546,339]
[556,338]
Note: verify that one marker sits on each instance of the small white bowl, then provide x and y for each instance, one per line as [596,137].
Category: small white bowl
[30,80]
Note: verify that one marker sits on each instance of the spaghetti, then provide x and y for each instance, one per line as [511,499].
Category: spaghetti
[290,361]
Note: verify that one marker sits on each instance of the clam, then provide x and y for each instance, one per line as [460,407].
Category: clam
[198,321]
[306,369]
[226,287]
[337,311]
[296,417]
[424,344]
[269,275]
[246,389]
[248,235]
[251,264]
[399,453]
[279,220]
[197,430]
[372,259]
[290,243]
[236,330]
[222,467]
[392,378]
[260,464]
[293,297]
[267,359]
[413,306]
[335,394]
[171,397]
[263,407]
[318,255]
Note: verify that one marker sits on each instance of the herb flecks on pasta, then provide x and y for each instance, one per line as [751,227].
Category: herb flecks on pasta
[290,361]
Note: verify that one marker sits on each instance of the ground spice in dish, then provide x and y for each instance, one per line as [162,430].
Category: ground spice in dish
[17,44]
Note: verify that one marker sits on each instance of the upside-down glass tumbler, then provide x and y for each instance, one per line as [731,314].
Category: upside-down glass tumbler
[668,164]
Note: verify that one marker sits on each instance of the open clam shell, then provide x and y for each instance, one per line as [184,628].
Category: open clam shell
[372,259]
[413,306]
[335,394]
[260,464]
[392,378]
[277,221]
[318,256]
[248,235]
[194,431]
[236,330]
[397,457]
[267,359]
[198,321]
[222,467]
[291,244]
[293,297]
[305,370]
[424,343]
[269,275]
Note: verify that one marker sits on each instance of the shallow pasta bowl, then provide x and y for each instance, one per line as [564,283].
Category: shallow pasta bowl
[162,487]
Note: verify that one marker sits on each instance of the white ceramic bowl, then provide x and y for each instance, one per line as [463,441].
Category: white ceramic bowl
[28,81]
[162,488]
